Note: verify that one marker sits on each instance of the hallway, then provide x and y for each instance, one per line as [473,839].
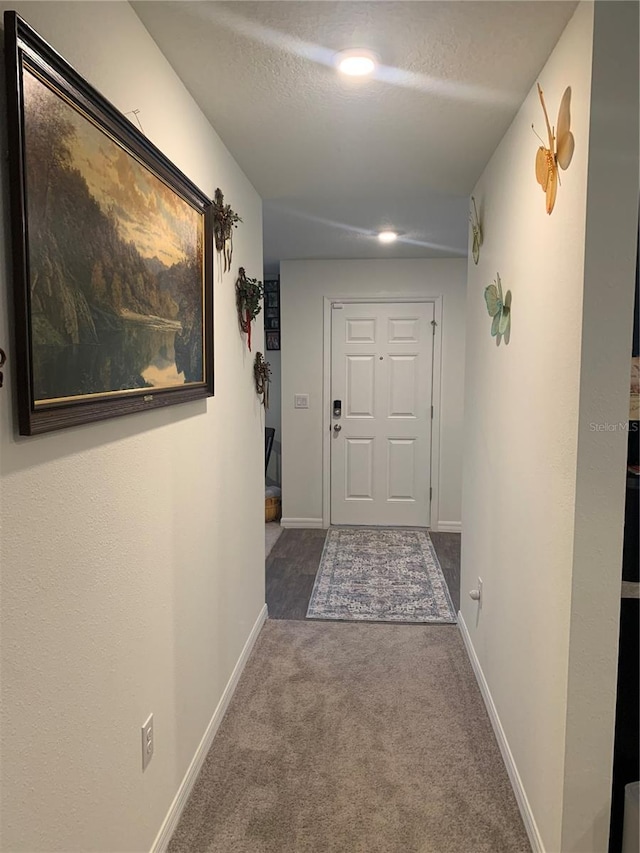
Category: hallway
[353,738]
[132,590]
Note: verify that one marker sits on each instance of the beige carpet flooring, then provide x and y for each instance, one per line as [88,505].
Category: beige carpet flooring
[354,738]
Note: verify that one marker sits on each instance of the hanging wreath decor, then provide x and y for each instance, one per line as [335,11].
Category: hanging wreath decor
[262,374]
[224,221]
[249,293]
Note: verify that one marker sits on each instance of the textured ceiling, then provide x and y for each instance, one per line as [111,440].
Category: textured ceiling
[336,158]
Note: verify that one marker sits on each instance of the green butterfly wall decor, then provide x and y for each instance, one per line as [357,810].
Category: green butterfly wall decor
[500,309]
[476,231]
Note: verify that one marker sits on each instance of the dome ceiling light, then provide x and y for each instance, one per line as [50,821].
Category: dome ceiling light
[356,62]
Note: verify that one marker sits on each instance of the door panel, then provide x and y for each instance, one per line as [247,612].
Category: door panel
[401,469]
[360,386]
[361,331]
[381,371]
[403,386]
[403,330]
[359,469]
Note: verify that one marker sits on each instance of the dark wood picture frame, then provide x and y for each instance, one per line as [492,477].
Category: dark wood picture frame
[189,304]
[272,313]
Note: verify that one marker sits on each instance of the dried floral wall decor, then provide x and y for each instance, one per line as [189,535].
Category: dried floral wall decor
[249,293]
[262,374]
[224,221]
[560,150]
[499,309]
[476,231]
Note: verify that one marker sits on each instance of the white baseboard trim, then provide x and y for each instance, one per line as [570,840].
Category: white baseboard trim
[516,782]
[448,527]
[180,800]
[301,522]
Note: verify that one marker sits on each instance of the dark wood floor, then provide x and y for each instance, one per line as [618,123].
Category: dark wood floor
[447,547]
[294,560]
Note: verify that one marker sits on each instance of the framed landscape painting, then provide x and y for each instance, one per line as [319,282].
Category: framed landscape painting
[112,253]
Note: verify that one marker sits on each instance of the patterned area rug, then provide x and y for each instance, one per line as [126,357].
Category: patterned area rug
[380,574]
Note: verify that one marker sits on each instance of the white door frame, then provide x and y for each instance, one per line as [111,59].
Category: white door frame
[326,397]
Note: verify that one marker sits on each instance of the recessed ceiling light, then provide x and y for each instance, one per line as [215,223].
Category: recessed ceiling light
[387,236]
[356,62]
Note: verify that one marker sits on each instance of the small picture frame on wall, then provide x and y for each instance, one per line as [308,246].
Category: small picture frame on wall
[273,340]
[272,313]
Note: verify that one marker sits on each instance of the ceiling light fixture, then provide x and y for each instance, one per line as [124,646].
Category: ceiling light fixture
[387,236]
[356,62]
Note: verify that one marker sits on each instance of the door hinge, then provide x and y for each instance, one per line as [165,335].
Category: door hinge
[431,412]
[433,326]
[430,493]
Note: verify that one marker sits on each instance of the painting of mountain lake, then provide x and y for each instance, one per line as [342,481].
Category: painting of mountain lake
[115,261]
[117,302]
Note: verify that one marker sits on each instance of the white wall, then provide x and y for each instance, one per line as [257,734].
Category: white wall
[132,550]
[542,497]
[607,320]
[304,284]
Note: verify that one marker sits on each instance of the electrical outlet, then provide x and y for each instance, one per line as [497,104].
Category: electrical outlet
[147,742]
[300,401]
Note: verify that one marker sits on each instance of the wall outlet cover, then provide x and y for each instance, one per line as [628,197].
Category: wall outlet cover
[300,401]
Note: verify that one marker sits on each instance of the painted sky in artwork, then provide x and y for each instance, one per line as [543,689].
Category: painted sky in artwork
[148,213]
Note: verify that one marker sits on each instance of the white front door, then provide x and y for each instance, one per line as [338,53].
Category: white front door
[381,372]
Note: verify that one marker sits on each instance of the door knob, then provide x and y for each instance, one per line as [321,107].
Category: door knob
[337,428]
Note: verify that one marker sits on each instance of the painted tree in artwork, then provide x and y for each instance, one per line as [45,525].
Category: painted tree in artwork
[48,131]
[189,355]
[99,284]
[69,227]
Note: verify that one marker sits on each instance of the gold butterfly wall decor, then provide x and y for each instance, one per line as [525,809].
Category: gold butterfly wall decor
[476,231]
[560,150]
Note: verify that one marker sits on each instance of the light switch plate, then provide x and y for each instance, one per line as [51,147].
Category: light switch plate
[300,401]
